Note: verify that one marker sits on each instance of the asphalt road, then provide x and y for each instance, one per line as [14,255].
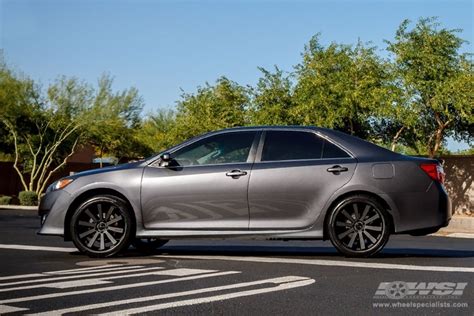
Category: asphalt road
[216,277]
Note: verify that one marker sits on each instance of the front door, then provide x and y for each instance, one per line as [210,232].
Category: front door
[205,186]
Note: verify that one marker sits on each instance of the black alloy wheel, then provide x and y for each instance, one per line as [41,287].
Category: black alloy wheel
[101,226]
[359,226]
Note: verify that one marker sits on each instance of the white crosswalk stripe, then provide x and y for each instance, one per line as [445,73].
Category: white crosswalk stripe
[99,279]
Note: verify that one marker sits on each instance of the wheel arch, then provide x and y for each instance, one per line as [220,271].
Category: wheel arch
[380,199]
[91,193]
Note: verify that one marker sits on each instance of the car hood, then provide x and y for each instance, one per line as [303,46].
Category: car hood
[124,166]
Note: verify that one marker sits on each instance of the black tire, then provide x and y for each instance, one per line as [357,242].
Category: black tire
[148,245]
[359,226]
[102,226]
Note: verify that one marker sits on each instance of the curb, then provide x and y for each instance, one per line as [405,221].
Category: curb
[18,207]
[463,224]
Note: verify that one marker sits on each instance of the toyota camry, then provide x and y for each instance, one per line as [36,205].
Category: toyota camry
[290,183]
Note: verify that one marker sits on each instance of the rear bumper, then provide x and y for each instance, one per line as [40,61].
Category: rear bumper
[424,212]
[52,211]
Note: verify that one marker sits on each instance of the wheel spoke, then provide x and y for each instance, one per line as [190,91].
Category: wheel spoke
[111,238]
[375,228]
[343,224]
[102,242]
[344,234]
[91,215]
[109,212]
[364,213]
[116,229]
[93,239]
[99,208]
[115,220]
[356,210]
[348,216]
[84,223]
[373,218]
[87,233]
[371,238]
[361,239]
[351,242]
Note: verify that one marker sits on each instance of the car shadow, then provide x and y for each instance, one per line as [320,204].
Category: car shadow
[305,252]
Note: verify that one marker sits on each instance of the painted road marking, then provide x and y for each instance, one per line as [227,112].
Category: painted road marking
[200,275]
[282,285]
[331,263]
[295,279]
[152,271]
[69,277]
[78,283]
[10,309]
[71,271]
[38,248]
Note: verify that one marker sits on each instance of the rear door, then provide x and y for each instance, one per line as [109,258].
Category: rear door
[295,173]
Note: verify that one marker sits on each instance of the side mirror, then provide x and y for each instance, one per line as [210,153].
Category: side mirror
[165,159]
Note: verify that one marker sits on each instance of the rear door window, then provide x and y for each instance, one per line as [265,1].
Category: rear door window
[296,145]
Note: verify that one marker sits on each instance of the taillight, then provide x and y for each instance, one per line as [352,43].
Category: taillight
[434,171]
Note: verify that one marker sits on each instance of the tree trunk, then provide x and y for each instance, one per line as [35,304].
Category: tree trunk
[397,137]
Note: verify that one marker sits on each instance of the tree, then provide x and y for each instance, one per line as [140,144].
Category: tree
[272,99]
[438,79]
[210,108]
[156,131]
[114,117]
[339,86]
[43,131]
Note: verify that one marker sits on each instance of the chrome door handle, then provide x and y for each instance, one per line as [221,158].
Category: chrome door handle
[337,169]
[236,173]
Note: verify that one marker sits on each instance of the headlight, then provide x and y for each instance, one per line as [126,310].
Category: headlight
[60,184]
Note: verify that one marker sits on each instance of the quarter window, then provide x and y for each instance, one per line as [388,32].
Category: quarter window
[233,147]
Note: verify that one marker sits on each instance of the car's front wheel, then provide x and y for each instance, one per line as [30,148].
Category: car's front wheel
[101,226]
[358,226]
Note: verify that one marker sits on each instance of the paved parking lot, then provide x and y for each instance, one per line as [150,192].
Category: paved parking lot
[46,275]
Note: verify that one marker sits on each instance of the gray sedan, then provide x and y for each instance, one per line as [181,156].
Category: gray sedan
[268,182]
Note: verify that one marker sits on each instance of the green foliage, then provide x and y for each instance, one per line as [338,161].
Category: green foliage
[340,86]
[156,131]
[212,107]
[113,118]
[28,198]
[5,200]
[272,99]
[438,80]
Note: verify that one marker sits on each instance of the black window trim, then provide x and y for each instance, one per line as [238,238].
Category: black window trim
[258,158]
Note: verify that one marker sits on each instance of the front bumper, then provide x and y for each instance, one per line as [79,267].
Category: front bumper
[52,211]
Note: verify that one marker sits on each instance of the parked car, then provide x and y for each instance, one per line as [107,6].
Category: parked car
[270,182]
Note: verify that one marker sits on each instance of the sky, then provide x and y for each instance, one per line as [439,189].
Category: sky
[166,47]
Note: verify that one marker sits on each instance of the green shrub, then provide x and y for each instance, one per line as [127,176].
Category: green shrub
[28,198]
[5,200]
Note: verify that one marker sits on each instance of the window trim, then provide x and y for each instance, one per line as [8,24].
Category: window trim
[258,158]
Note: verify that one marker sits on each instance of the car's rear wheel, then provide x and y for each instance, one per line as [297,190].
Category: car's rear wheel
[148,244]
[101,226]
[359,226]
